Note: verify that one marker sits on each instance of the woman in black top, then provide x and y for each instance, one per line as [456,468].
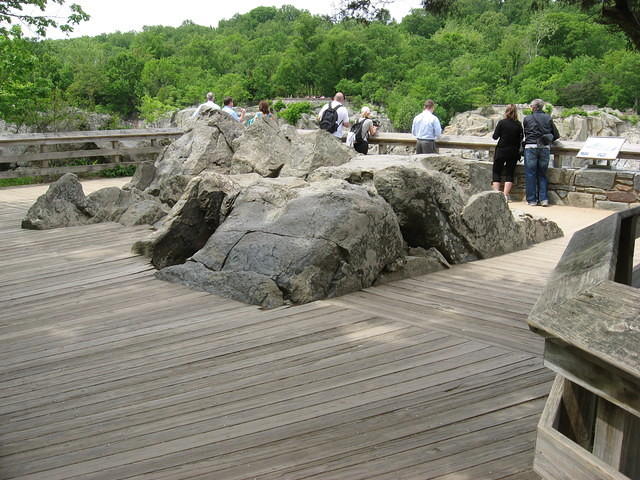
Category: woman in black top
[509,132]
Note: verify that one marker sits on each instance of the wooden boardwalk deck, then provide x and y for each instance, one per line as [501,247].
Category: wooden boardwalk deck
[107,373]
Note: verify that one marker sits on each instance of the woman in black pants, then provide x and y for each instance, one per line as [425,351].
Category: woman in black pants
[509,132]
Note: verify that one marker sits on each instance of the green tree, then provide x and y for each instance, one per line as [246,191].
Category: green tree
[12,11]
[122,91]
[621,82]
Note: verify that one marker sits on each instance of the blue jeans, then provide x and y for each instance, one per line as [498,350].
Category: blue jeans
[536,163]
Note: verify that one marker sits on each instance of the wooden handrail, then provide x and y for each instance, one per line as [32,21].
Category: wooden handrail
[54,138]
[589,315]
[112,138]
[628,151]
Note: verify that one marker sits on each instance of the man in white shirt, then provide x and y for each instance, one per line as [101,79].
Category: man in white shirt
[343,115]
[228,108]
[426,128]
[209,103]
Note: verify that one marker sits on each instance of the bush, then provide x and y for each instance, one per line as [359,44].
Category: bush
[567,112]
[119,171]
[279,105]
[632,119]
[152,109]
[294,111]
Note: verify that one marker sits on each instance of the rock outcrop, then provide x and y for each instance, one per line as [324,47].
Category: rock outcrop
[270,216]
[272,150]
[434,211]
[65,204]
[313,240]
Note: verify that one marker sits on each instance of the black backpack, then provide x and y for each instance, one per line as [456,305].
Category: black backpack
[329,120]
[356,128]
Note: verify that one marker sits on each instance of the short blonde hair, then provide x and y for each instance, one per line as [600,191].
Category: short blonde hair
[365,111]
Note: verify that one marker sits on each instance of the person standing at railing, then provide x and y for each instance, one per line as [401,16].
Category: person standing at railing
[426,128]
[209,103]
[509,134]
[539,133]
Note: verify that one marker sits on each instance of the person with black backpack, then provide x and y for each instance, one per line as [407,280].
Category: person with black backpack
[334,116]
[358,136]
[539,133]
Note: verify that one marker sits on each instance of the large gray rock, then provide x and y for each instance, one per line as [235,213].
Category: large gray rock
[429,197]
[64,205]
[193,219]
[142,177]
[418,262]
[206,147]
[428,206]
[313,240]
[248,287]
[272,150]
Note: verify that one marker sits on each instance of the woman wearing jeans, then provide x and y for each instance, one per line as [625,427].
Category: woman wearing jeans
[539,133]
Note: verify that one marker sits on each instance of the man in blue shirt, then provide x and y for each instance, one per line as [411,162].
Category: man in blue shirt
[228,107]
[426,128]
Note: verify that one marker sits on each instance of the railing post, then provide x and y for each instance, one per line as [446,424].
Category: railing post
[116,158]
[43,163]
[626,244]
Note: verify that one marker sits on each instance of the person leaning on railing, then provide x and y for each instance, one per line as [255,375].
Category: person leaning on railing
[426,128]
[539,133]
[508,132]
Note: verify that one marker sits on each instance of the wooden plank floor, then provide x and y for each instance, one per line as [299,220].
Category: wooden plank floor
[107,373]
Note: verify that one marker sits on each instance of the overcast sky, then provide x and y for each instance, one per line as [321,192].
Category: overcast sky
[125,15]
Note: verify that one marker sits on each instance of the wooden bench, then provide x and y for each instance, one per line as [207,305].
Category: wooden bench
[589,315]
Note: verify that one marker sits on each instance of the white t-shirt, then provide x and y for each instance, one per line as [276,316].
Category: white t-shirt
[343,116]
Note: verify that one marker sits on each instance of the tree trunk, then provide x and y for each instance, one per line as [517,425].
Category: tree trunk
[622,15]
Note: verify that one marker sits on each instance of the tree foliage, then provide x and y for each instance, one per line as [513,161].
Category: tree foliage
[462,53]
[12,12]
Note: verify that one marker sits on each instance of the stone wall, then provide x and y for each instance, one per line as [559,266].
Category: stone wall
[586,188]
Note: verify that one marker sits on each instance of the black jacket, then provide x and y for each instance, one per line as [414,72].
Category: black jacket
[509,133]
[532,131]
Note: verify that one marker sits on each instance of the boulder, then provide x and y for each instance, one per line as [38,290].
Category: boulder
[248,287]
[428,195]
[64,205]
[272,150]
[193,219]
[142,178]
[129,207]
[492,228]
[313,240]
[428,206]
[207,146]
[418,262]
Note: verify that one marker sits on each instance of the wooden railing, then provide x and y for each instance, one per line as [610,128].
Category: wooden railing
[39,162]
[589,315]
[559,147]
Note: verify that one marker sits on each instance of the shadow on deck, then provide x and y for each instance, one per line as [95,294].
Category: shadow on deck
[107,373]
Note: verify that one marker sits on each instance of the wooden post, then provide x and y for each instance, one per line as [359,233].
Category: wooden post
[114,145]
[615,438]
[626,246]
[43,163]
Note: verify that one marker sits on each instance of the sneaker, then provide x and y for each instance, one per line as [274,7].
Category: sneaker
[544,203]
[532,204]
